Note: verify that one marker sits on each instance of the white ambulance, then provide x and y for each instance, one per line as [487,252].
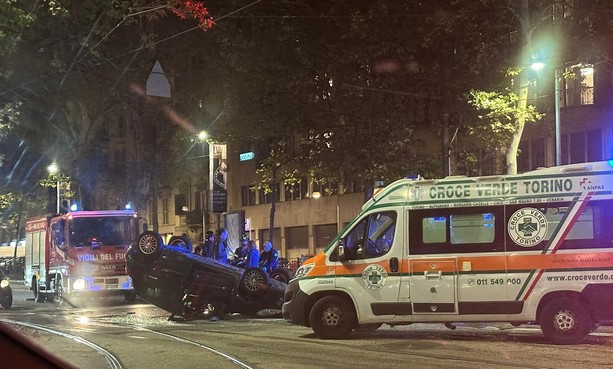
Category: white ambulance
[529,248]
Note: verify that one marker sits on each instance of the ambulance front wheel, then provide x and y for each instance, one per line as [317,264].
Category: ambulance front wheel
[565,321]
[332,317]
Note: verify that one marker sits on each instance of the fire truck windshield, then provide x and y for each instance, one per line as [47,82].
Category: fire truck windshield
[102,231]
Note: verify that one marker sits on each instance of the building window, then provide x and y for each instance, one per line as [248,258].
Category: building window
[326,188]
[582,147]
[323,235]
[531,155]
[180,202]
[150,211]
[578,83]
[165,211]
[265,236]
[266,197]
[296,238]
[296,191]
[247,195]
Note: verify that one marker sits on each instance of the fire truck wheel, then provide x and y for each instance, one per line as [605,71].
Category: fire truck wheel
[59,292]
[181,241]
[281,275]
[38,296]
[254,281]
[565,321]
[332,317]
[150,244]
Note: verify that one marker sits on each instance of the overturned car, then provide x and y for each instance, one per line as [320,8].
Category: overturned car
[193,286]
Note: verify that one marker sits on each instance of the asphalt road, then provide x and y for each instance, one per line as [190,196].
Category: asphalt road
[113,334]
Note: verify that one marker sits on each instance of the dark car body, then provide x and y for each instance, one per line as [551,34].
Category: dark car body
[6,292]
[190,285]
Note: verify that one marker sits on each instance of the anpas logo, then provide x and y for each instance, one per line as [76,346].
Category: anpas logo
[527,227]
[374,277]
[586,184]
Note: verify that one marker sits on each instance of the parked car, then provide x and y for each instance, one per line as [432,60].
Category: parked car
[6,292]
[194,286]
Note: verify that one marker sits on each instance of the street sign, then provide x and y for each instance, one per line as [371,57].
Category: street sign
[157,83]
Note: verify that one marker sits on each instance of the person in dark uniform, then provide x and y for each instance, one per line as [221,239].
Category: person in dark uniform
[207,247]
[269,258]
[220,249]
[241,252]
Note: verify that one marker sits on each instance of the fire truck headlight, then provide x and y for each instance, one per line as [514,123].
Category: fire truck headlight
[79,284]
[4,283]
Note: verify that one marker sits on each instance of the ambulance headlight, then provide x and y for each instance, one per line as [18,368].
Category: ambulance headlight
[78,284]
[4,283]
[304,270]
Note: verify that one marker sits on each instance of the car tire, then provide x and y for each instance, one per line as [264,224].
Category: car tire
[181,241]
[149,244]
[254,281]
[7,301]
[332,317]
[565,321]
[282,275]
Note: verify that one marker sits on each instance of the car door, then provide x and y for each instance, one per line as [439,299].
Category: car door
[369,271]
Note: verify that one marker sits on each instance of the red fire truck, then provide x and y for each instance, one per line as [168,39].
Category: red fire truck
[80,254]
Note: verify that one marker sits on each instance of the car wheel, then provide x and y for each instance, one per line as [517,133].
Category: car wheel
[565,321]
[332,317]
[150,244]
[254,281]
[7,301]
[281,275]
[181,241]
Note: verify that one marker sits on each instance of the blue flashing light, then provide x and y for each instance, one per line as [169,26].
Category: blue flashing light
[74,207]
[610,162]
[487,216]
[128,206]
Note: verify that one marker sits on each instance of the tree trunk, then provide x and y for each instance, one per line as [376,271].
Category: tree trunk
[273,204]
[511,154]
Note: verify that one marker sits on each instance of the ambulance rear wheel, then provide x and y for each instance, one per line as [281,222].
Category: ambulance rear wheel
[332,317]
[565,321]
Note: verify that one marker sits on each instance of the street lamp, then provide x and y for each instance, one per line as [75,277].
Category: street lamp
[537,66]
[54,169]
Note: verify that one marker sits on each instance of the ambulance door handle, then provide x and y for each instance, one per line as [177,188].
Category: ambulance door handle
[394,265]
[431,274]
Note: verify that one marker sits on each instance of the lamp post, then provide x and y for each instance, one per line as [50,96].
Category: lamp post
[537,66]
[54,169]
[203,136]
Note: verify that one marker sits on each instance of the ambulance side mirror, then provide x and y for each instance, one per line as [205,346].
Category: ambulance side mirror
[341,252]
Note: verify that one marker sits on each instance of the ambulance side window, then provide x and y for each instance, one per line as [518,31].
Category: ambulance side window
[456,230]
[371,237]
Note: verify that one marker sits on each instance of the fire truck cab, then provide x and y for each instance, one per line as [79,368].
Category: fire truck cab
[80,254]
